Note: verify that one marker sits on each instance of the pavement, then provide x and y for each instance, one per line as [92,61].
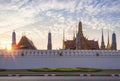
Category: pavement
[60,78]
[105,73]
[55,74]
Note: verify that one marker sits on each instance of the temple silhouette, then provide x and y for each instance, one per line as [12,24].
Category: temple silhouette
[24,43]
[79,42]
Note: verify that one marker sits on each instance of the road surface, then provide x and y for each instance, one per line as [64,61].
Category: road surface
[60,78]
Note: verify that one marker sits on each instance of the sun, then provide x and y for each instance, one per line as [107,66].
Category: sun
[9,47]
[6,45]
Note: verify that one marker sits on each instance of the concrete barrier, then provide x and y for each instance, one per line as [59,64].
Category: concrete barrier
[87,75]
[53,74]
[9,75]
[45,74]
[115,75]
[81,75]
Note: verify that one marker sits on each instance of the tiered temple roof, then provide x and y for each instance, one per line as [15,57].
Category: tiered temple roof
[25,43]
[80,42]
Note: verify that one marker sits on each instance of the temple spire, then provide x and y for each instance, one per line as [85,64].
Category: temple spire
[63,46]
[114,43]
[80,27]
[78,36]
[102,42]
[108,43]
[13,40]
[49,46]
[73,35]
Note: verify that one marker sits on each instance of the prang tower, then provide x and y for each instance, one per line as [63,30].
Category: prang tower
[102,42]
[80,42]
[49,46]
[114,45]
[108,43]
[13,40]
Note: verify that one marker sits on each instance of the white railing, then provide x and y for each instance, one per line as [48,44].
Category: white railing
[61,53]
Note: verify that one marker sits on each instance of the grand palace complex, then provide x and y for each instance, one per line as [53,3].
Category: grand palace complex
[79,42]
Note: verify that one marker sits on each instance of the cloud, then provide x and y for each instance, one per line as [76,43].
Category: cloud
[41,16]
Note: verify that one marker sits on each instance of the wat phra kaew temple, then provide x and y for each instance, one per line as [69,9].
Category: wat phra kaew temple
[78,52]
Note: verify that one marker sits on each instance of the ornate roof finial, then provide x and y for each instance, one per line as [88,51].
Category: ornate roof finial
[102,42]
[63,46]
[73,35]
[108,44]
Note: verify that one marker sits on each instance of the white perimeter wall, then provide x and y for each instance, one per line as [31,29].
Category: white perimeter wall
[51,62]
[56,61]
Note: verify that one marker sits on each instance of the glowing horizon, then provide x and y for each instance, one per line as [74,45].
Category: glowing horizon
[37,17]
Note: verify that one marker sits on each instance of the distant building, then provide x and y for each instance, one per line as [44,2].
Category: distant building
[25,43]
[49,45]
[80,42]
[108,44]
[102,42]
[14,40]
[114,45]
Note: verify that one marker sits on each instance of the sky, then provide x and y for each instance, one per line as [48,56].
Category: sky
[35,18]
